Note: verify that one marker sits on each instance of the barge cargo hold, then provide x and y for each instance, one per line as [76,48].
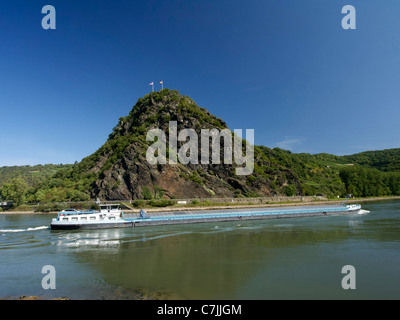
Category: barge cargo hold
[179,217]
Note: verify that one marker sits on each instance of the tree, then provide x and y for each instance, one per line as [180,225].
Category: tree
[290,190]
[15,190]
[146,193]
[369,182]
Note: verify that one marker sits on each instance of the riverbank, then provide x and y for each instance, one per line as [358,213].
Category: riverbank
[117,292]
[32,298]
[232,206]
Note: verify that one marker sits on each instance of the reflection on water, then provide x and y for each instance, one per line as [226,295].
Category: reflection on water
[280,259]
[109,239]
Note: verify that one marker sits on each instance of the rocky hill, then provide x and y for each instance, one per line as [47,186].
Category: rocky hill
[119,169]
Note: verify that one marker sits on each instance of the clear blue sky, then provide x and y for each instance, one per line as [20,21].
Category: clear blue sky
[284,68]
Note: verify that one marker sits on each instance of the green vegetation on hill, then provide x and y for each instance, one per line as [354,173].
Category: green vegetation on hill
[321,173]
[369,182]
[318,173]
[32,175]
[384,160]
[23,183]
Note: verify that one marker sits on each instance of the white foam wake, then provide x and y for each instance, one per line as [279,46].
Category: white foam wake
[362,211]
[23,230]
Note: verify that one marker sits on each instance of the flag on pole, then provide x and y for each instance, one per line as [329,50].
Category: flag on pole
[162,85]
[152,85]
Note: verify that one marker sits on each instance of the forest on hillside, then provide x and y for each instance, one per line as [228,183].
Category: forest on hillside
[372,173]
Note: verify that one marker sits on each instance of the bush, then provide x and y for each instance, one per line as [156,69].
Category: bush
[146,193]
[290,190]
[196,178]
[161,203]
[48,207]
[23,207]
[139,203]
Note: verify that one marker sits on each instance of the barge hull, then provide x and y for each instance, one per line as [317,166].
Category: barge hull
[83,226]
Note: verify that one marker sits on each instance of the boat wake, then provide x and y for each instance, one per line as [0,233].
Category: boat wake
[23,230]
[362,211]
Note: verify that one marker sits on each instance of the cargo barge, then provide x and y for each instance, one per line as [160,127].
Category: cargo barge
[179,217]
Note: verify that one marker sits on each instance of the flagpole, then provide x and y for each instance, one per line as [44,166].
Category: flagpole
[162,85]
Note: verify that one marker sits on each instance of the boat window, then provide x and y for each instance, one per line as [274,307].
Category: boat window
[64,219]
[92,218]
[74,218]
[84,218]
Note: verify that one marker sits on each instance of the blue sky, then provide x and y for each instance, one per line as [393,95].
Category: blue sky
[284,68]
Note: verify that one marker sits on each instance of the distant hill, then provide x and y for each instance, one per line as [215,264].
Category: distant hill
[384,160]
[32,175]
[119,168]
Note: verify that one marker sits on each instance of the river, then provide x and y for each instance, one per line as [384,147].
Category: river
[294,258]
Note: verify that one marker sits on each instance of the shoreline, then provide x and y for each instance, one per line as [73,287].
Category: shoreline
[215,207]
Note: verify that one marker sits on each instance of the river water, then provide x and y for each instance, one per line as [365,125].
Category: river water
[294,258]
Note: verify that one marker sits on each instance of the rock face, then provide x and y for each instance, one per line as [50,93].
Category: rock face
[120,170]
